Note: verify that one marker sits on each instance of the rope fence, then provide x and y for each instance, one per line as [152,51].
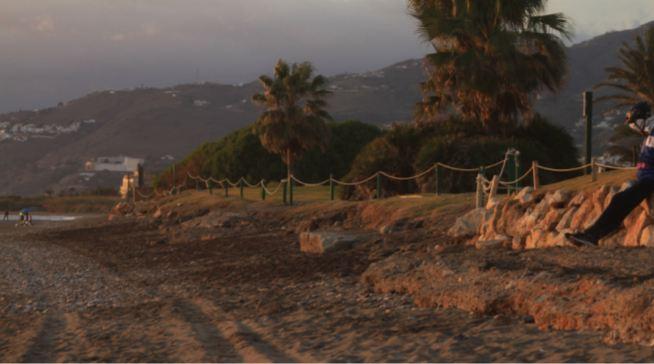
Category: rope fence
[508,179]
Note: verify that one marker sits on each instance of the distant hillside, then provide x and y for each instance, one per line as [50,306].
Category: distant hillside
[46,148]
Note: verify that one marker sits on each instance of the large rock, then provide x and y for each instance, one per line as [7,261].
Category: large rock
[320,242]
[558,199]
[121,209]
[530,220]
[525,195]
[647,236]
[648,205]
[564,223]
[545,239]
[469,224]
[634,229]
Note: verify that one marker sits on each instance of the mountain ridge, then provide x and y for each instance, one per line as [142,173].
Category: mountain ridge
[152,123]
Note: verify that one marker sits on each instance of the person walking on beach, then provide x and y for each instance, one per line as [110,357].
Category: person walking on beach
[6,217]
[624,202]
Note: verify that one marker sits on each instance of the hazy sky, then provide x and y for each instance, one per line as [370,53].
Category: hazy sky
[59,49]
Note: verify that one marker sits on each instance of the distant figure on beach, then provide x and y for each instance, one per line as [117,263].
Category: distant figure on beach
[24,217]
[624,202]
[6,217]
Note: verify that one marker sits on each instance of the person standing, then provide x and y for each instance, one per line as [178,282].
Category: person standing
[6,216]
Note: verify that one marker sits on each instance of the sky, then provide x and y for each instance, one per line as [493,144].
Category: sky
[55,50]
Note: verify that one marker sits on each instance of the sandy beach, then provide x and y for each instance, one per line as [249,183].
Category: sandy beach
[92,290]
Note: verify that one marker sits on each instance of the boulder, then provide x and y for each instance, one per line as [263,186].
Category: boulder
[614,240]
[517,243]
[469,224]
[564,223]
[647,236]
[499,241]
[558,199]
[525,195]
[545,239]
[120,209]
[157,214]
[648,205]
[320,242]
[490,225]
[635,228]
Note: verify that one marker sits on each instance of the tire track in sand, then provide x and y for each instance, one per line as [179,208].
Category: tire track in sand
[215,345]
[250,343]
[44,346]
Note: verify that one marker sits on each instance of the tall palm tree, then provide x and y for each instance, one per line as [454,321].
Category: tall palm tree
[491,57]
[635,78]
[294,119]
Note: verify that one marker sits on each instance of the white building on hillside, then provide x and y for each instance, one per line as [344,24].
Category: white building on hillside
[114,164]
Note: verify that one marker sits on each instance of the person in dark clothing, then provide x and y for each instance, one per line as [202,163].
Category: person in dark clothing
[624,202]
[6,217]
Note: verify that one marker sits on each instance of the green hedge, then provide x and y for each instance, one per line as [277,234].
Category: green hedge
[407,150]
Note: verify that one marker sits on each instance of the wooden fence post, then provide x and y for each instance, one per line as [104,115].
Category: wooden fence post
[378,187]
[479,193]
[534,171]
[495,182]
[593,169]
[436,184]
[331,187]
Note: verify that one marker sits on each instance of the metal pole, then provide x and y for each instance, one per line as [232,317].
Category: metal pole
[290,191]
[588,115]
[226,188]
[241,184]
[284,188]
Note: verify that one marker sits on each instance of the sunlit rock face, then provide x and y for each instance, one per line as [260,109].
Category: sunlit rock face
[530,220]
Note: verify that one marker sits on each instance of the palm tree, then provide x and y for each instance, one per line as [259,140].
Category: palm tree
[635,79]
[294,119]
[491,57]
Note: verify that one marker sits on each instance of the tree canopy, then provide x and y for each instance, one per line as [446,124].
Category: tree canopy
[634,79]
[491,57]
[294,118]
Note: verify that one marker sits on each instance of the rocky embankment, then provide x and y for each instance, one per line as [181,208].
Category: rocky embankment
[532,220]
[502,267]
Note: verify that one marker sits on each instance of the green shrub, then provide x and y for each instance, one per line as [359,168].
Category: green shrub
[408,150]
[240,154]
